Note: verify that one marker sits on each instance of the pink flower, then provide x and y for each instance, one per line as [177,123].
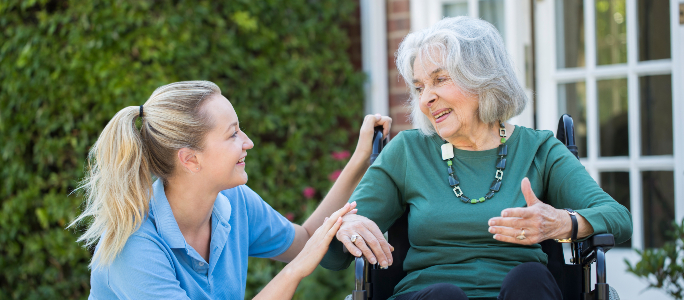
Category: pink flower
[340,155]
[334,175]
[289,216]
[309,192]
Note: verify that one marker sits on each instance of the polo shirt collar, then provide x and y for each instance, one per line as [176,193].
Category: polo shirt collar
[167,227]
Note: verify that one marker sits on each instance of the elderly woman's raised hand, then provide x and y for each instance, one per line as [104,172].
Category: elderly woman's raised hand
[539,220]
[368,240]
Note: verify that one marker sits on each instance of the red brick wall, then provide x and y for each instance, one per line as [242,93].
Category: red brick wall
[398,26]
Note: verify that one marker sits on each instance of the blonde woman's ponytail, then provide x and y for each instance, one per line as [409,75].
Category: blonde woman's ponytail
[117,186]
[118,182]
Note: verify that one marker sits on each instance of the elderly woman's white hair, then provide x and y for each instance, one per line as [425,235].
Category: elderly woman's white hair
[473,53]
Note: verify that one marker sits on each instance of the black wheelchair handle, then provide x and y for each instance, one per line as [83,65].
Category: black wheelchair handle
[378,143]
[566,133]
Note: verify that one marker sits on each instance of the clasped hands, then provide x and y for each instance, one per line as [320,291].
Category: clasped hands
[539,221]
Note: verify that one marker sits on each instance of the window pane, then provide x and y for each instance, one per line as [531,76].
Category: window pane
[656,115]
[611,32]
[658,204]
[492,11]
[456,9]
[570,33]
[654,29]
[572,101]
[616,184]
[613,119]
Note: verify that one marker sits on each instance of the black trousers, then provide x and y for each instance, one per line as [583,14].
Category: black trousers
[527,281]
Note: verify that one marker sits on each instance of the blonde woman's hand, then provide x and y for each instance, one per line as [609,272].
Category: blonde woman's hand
[316,247]
[363,147]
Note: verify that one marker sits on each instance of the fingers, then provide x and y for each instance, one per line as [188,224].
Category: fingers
[513,240]
[352,212]
[386,123]
[346,241]
[512,222]
[519,212]
[375,246]
[329,222]
[385,247]
[332,231]
[371,121]
[508,231]
[362,245]
[529,195]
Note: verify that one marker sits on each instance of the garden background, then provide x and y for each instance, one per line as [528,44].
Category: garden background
[66,67]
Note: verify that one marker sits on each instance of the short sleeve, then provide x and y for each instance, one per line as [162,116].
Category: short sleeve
[270,234]
[135,276]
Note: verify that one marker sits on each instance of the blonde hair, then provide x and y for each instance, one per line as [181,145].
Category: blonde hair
[118,182]
[473,53]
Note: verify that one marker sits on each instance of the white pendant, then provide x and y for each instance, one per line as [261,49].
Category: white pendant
[447,151]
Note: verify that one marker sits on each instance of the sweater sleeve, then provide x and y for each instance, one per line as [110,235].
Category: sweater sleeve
[569,185]
[378,197]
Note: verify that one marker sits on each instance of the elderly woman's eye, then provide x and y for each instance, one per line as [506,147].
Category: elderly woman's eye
[419,89]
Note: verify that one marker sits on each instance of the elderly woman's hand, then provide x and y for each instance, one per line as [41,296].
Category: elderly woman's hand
[369,240]
[540,221]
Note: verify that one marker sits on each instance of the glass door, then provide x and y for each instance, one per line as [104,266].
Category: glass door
[609,64]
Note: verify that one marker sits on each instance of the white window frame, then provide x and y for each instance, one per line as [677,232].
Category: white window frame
[425,13]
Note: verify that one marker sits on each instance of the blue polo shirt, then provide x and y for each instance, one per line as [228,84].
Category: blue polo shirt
[157,263]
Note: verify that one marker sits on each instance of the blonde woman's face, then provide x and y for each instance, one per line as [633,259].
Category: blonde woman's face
[225,148]
[449,109]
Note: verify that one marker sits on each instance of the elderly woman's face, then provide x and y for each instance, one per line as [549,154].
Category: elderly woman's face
[449,109]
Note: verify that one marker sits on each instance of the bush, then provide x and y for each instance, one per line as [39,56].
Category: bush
[663,268]
[66,67]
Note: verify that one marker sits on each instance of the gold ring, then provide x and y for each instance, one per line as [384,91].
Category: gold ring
[353,238]
[522,235]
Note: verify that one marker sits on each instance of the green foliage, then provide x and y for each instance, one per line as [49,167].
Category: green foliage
[66,67]
[663,268]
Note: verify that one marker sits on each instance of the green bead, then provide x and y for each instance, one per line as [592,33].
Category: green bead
[482,199]
[473,201]
[503,140]
[449,163]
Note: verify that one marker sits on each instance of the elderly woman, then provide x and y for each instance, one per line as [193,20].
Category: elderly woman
[472,181]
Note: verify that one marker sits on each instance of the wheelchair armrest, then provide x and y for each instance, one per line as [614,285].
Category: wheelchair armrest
[594,249]
[604,240]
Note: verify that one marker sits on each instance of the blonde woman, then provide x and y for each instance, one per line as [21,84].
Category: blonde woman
[188,234]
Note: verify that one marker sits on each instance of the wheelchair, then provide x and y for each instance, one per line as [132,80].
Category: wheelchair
[574,279]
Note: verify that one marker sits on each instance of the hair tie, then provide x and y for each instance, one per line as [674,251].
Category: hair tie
[141,112]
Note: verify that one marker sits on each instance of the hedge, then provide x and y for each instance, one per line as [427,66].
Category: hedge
[66,67]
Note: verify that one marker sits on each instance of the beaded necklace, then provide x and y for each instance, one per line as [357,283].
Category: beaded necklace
[448,154]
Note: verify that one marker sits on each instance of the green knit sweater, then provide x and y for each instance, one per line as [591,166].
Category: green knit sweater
[449,239]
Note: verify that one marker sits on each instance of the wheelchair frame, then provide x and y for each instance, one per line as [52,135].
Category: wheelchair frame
[574,279]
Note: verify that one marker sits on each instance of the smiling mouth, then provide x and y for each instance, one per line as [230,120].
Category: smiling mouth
[241,160]
[440,116]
